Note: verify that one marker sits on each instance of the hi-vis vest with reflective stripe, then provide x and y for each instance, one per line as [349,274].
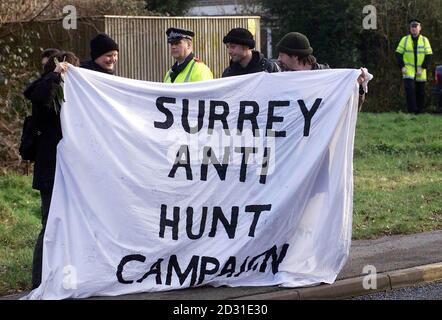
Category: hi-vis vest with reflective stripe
[194,71]
[405,48]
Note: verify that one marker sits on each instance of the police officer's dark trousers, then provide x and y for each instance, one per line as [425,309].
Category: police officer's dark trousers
[415,93]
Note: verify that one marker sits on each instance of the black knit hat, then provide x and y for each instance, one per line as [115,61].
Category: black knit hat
[240,36]
[101,44]
[295,43]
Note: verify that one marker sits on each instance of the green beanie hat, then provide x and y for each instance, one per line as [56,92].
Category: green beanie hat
[295,43]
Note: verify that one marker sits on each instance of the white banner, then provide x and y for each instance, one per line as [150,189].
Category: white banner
[243,181]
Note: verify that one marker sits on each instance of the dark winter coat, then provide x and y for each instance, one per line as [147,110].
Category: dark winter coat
[318,66]
[41,92]
[257,64]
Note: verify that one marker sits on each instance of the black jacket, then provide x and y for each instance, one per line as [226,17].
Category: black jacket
[257,64]
[41,92]
[318,66]
[91,65]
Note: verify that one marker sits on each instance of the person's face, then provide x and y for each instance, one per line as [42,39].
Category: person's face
[180,49]
[108,60]
[289,63]
[237,52]
[415,29]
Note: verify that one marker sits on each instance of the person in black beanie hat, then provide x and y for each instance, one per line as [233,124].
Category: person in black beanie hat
[295,53]
[104,54]
[244,60]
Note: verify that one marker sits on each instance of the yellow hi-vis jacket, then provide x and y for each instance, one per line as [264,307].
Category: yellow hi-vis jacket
[195,71]
[405,48]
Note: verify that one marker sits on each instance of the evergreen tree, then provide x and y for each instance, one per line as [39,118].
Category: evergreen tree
[169,7]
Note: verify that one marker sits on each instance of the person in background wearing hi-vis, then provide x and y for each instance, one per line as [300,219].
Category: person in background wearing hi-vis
[187,67]
[413,54]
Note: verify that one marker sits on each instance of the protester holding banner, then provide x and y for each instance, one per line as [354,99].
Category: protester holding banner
[244,59]
[104,54]
[187,67]
[46,96]
[295,54]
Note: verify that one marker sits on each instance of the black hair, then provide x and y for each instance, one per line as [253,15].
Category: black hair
[49,52]
[61,56]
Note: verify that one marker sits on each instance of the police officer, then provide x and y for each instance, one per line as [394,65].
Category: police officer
[187,67]
[413,55]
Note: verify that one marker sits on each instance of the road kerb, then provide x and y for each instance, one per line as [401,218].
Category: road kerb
[289,294]
[352,287]
[345,288]
[338,290]
[406,277]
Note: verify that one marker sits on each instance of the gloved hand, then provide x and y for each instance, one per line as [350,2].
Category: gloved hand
[419,71]
[404,70]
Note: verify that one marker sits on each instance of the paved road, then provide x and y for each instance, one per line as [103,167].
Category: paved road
[426,291]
